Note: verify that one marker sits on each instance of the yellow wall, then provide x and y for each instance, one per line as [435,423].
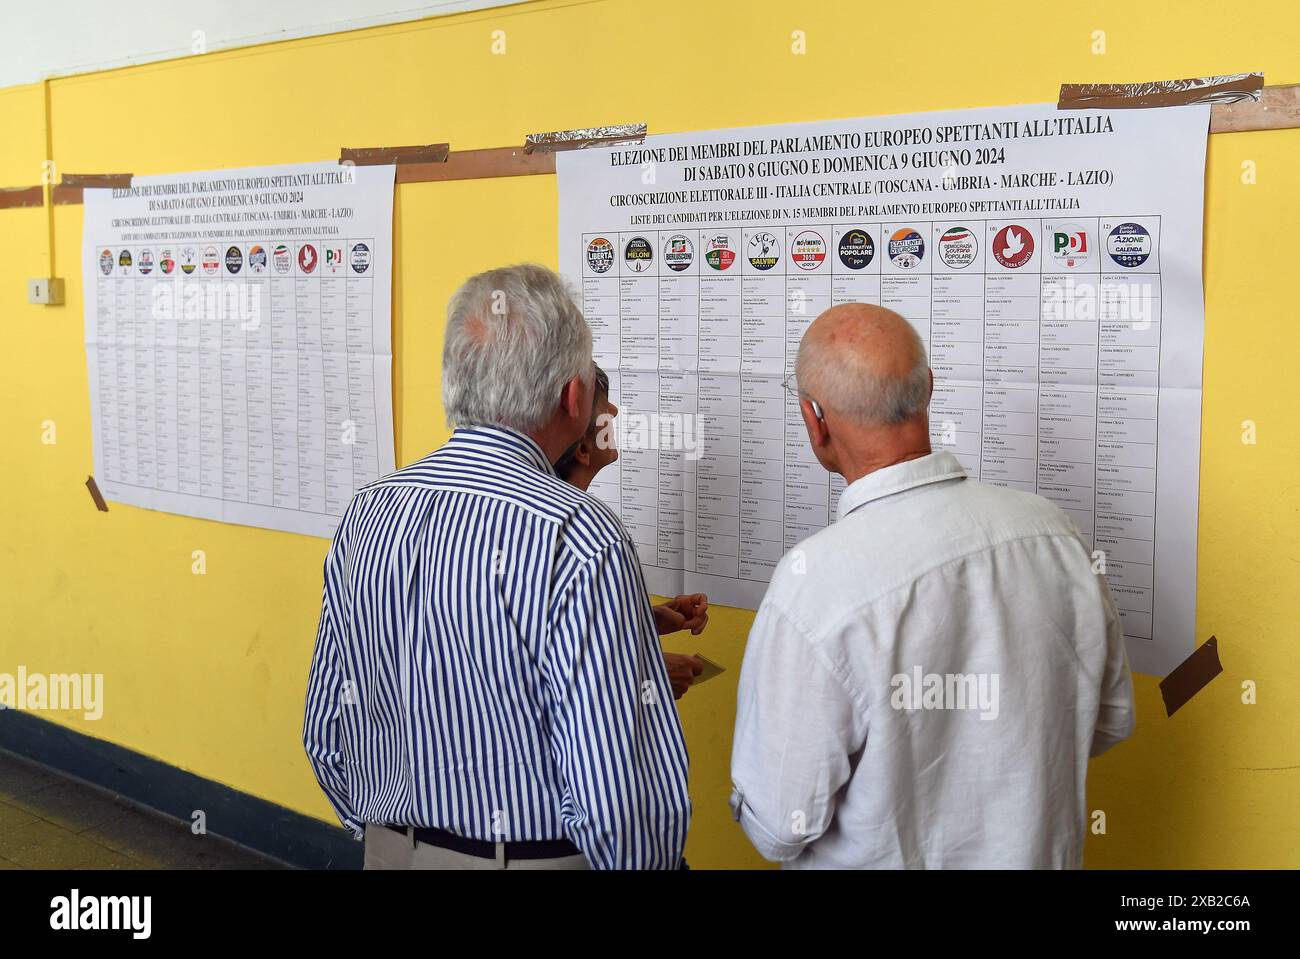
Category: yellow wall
[207,672]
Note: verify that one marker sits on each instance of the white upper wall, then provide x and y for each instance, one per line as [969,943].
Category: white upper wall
[48,38]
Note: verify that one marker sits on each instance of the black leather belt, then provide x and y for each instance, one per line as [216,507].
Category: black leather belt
[531,849]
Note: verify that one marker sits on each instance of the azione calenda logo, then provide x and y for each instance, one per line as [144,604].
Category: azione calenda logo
[360,258]
[1013,246]
[1129,244]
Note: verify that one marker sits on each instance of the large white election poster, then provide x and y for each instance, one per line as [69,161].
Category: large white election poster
[1050,260]
[238,339]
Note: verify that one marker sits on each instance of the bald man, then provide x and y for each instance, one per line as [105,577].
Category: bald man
[926,677]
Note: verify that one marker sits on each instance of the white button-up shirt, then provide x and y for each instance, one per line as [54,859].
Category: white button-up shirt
[925,681]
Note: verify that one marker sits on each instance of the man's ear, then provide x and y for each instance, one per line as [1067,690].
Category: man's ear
[571,399]
[818,434]
[582,453]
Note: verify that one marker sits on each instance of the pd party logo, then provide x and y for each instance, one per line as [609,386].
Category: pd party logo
[332,257]
[764,250]
[211,260]
[679,252]
[1129,244]
[719,253]
[638,255]
[600,255]
[1070,246]
[958,247]
[307,258]
[808,250]
[360,258]
[106,262]
[857,249]
[1013,247]
[906,248]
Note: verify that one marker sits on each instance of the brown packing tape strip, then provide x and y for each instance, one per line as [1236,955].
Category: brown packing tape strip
[1277,109]
[1191,676]
[96,495]
[581,139]
[377,156]
[15,197]
[1160,93]
[479,164]
[95,179]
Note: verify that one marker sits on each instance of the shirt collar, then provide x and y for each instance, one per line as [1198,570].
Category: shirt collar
[509,442]
[935,467]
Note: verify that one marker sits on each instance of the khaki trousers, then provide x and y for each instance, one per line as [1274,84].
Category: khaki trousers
[386,849]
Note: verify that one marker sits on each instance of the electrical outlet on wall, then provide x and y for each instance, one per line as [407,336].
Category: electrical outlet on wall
[47,291]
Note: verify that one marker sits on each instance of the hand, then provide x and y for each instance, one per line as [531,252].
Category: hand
[684,612]
[682,671]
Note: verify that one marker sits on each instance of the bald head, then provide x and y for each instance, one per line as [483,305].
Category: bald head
[865,363]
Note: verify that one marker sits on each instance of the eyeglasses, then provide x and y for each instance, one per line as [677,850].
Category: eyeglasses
[792,387]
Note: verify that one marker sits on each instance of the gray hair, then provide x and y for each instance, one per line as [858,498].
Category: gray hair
[515,336]
[853,387]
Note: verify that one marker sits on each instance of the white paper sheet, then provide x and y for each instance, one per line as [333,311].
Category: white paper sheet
[1051,261]
[238,339]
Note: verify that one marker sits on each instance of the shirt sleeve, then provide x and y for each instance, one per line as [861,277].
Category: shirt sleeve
[796,728]
[1116,713]
[326,694]
[616,736]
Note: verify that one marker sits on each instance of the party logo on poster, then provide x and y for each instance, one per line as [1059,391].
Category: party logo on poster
[234,260]
[144,262]
[211,260]
[167,262]
[1070,246]
[125,262]
[1129,244]
[600,255]
[257,258]
[638,254]
[808,251]
[360,258]
[857,249]
[906,248]
[718,253]
[1013,246]
[958,247]
[307,258]
[332,257]
[281,258]
[679,253]
[189,260]
[106,262]
[764,250]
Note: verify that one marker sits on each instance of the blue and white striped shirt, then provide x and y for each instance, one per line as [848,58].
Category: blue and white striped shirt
[487,662]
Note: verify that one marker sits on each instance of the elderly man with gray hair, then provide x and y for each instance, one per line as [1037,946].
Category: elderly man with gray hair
[927,677]
[488,690]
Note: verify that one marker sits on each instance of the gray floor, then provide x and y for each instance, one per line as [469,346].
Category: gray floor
[50,822]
